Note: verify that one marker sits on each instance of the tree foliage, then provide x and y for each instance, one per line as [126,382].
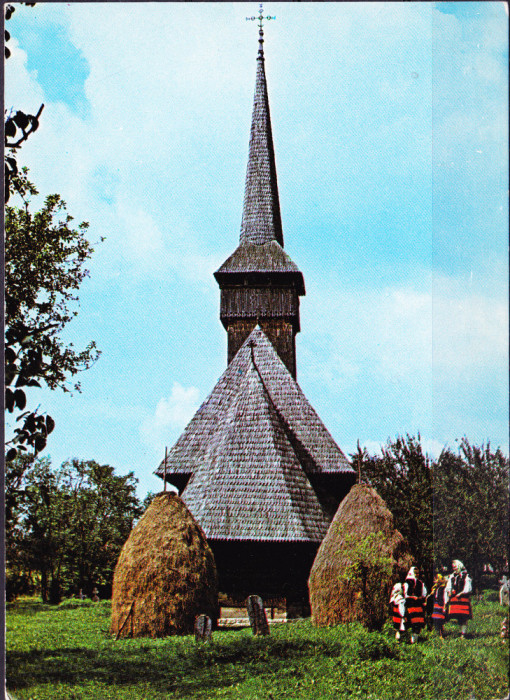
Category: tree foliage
[471,502]
[45,260]
[18,126]
[369,566]
[455,507]
[65,527]
[402,476]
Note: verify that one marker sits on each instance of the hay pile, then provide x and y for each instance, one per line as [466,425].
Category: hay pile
[165,574]
[359,560]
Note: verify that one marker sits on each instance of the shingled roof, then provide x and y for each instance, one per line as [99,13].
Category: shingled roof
[251,486]
[261,220]
[316,450]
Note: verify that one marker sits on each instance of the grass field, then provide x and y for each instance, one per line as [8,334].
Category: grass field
[67,652]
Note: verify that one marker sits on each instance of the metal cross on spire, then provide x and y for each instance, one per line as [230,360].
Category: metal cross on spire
[261,19]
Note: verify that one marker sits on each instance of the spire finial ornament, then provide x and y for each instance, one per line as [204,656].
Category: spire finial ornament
[261,19]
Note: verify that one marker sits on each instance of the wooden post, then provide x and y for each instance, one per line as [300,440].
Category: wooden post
[257,615]
[164,478]
[129,615]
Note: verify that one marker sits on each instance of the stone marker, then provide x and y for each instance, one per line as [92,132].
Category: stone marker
[203,629]
[504,591]
[257,615]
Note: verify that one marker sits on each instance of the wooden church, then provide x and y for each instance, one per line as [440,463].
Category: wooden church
[256,466]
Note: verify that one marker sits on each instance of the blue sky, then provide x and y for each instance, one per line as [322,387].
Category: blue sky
[390,129]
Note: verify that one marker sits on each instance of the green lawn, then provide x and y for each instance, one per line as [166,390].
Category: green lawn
[67,652]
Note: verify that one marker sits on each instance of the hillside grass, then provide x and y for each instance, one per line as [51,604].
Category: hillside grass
[66,652]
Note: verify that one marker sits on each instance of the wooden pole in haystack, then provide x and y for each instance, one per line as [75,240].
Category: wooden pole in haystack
[164,479]
[359,465]
[129,615]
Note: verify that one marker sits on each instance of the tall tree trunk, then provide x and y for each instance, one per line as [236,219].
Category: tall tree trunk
[44,584]
[55,590]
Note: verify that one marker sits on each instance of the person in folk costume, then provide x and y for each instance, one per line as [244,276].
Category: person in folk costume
[415,593]
[398,610]
[458,591]
[438,596]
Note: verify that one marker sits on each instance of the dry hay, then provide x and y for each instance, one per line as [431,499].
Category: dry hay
[359,560]
[165,574]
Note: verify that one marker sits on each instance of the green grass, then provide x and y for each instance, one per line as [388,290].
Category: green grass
[67,652]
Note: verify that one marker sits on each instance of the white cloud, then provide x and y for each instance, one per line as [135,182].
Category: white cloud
[170,417]
[21,87]
[429,357]
[438,325]
[430,446]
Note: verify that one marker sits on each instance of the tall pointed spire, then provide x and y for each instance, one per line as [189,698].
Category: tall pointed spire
[259,282]
[261,220]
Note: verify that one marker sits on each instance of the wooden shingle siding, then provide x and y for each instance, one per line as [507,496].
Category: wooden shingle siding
[259,302]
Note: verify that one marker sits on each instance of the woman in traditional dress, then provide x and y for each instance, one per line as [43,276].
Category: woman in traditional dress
[438,595]
[458,592]
[415,593]
[398,610]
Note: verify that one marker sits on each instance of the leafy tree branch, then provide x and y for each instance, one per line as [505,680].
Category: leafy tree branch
[45,257]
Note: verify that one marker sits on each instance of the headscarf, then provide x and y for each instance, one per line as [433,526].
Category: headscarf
[460,566]
[439,581]
[396,594]
[412,573]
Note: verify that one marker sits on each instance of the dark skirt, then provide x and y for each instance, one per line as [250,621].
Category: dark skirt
[438,613]
[396,617]
[459,608]
[415,613]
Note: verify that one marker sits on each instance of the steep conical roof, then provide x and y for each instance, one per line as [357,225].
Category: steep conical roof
[318,453]
[261,220]
[251,486]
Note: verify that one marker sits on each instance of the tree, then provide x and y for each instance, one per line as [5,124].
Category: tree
[44,267]
[65,527]
[18,126]
[18,572]
[36,305]
[32,524]
[403,479]
[471,508]
[105,508]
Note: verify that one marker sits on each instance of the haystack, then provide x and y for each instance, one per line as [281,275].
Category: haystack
[359,560]
[165,575]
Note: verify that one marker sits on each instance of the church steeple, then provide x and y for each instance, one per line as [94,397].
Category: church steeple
[259,282]
[261,220]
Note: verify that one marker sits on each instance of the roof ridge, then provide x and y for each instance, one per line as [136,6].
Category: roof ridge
[299,449]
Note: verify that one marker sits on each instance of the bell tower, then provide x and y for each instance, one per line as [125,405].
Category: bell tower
[259,283]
